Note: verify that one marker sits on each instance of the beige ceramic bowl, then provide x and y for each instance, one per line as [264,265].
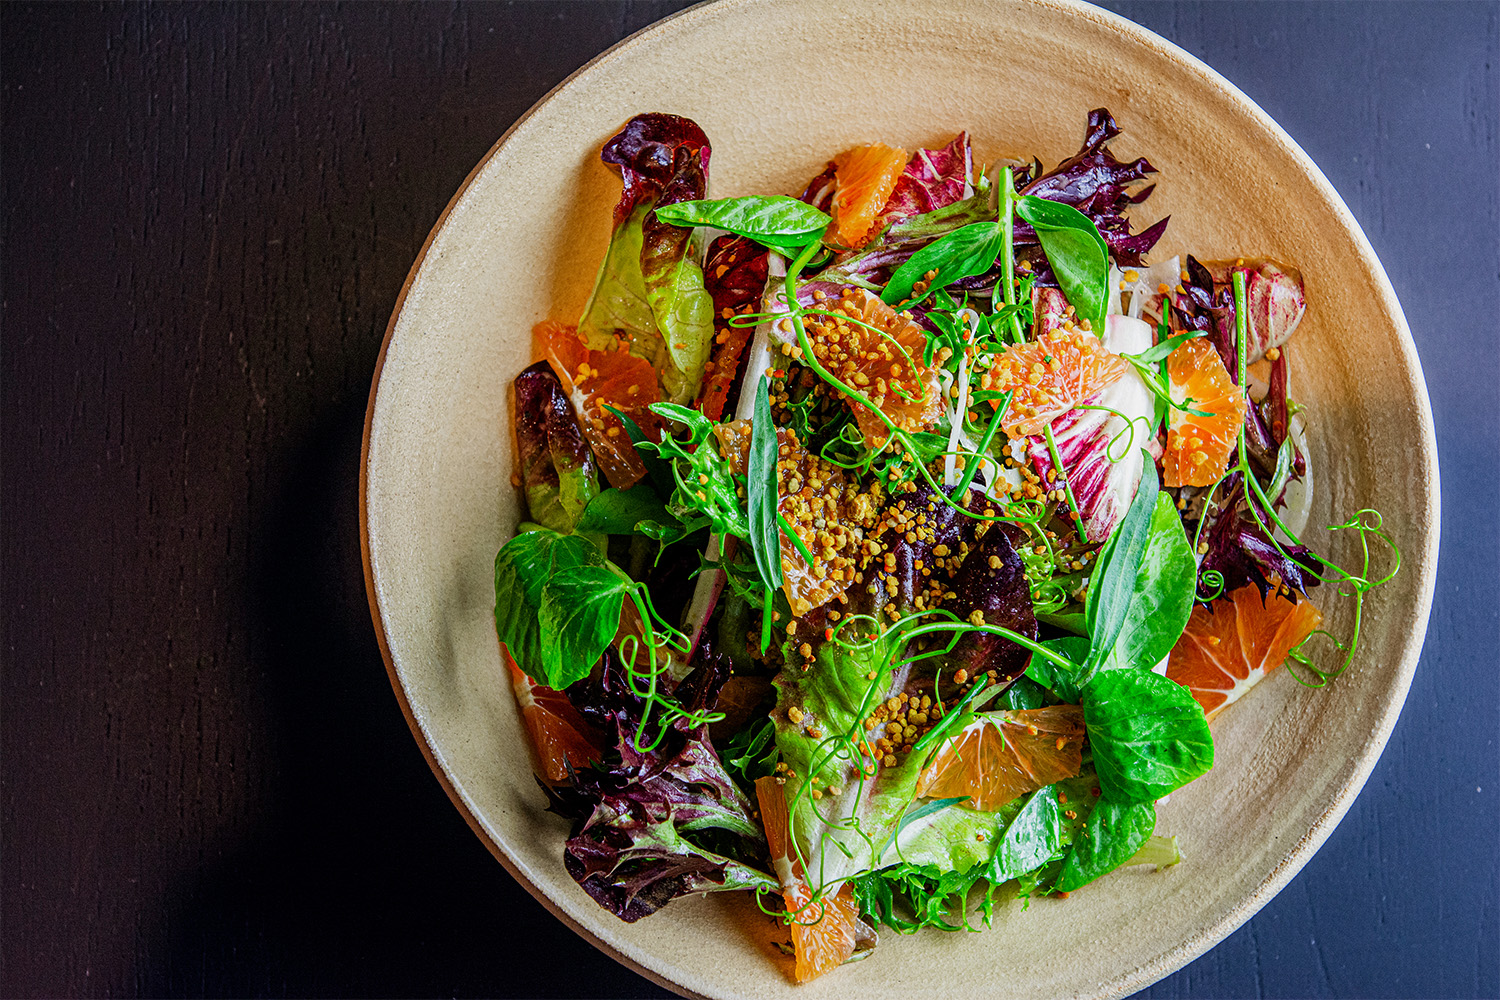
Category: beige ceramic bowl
[521,241]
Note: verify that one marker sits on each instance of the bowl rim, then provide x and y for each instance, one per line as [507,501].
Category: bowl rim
[1133,980]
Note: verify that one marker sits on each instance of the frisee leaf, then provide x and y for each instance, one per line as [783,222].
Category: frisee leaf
[776,221]
[962,253]
[1076,251]
[1148,735]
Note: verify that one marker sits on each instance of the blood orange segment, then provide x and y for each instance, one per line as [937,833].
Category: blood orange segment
[1002,756]
[596,379]
[823,930]
[1197,446]
[1232,643]
[558,733]
[865,177]
[1051,375]
[878,352]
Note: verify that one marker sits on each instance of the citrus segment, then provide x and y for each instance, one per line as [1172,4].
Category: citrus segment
[1198,446]
[1002,756]
[878,352]
[1232,643]
[823,930]
[1051,375]
[865,177]
[596,379]
[558,733]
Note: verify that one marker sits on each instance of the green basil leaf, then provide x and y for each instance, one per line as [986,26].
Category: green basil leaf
[619,512]
[761,488]
[1165,587]
[1033,838]
[1053,676]
[776,220]
[522,568]
[1111,837]
[961,254]
[1076,251]
[1112,583]
[580,614]
[1148,735]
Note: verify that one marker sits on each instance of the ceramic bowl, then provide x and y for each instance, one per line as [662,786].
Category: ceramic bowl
[779,87]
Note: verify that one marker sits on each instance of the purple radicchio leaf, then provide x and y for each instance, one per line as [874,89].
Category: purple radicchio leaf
[630,847]
[933,178]
[1274,302]
[1240,550]
[558,476]
[1096,183]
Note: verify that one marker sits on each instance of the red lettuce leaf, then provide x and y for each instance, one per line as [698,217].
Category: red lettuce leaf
[558,475]
[640,816]
[1240,550]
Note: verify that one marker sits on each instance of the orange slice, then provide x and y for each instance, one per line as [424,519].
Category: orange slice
[865,177]
[558,733]
[877,351]
[823,929]
[594,379]
[1198,447]
[1232,643]
[1000,757]
[1051,375]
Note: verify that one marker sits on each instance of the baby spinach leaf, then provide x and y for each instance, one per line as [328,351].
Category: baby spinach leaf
[1053,676]
[1033,838]
[1112,583]
[1148,735]
[1111,837]
[776,221]
[620,512]
[1165,583]
[1023,693]
[522,568]
[761,488]
[579,616]
[963,253]
[1076,251]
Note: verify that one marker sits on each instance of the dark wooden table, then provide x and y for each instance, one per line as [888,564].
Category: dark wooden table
[205,784]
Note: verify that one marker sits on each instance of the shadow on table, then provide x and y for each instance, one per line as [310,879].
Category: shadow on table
[360,878]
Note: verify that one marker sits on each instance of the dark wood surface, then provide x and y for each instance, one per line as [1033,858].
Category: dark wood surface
[206,786]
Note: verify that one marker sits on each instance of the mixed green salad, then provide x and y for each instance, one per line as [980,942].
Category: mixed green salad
[889,547]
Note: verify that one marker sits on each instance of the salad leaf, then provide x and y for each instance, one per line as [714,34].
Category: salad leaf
[1111,837]
[558,474]
[650,290]
[1076,252]
[1097,184]
[1163,594]
[1243,553]
[1148,735]
[1112,583]
[774,220]
[1033,838]
[522,568]
[705,489]
[620,512]
[1053,676]
[580,614]
[933,178]
[1100,443]
[640,818]
[964,252]
[761,486]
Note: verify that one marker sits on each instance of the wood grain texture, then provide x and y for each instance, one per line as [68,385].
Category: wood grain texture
[205,784]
